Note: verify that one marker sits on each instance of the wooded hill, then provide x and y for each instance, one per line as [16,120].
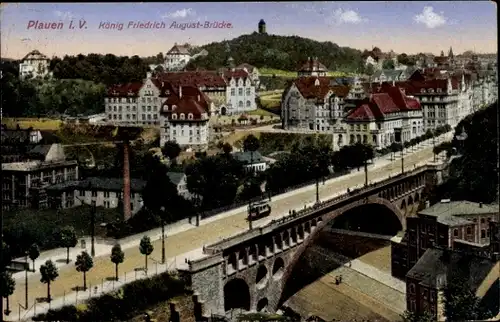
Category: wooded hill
[278,52]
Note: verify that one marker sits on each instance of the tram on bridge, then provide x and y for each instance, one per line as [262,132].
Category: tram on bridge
[259,210]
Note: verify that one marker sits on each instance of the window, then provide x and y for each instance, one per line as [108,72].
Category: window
[248,91]
[412,288]
[249,103]
[190,117]
[106,204]
[483,233]
[94,193]
[455,232]
[469,231]
[233,92]
[149,108]
[182,116]
[240,91]
[82,193]
[482,220]
[106,194]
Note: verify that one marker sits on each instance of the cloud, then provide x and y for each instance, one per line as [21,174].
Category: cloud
[341,16]
[430,18]
[66,15]
[183,13]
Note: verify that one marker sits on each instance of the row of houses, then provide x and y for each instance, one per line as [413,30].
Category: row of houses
[442,239]
[395,106]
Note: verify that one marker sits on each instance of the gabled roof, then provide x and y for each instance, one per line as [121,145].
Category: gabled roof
[236,74]
[247,157]
[179,49]
[186,100]
[459,208]
[35,54]
[390,73]
[125,90]
[176,177]
[246,66]
[313,65]
[319,87]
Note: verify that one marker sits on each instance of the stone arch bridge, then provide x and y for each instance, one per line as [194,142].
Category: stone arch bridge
[249,270]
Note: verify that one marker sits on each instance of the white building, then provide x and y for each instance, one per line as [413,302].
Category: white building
[103,192]
[136,103]
[185,118]
[179,179]
[386,117]
[240,92]
[177,57]
[253,72]
[251,161]
[34,64]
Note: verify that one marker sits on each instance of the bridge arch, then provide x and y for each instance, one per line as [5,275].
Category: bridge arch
[236,295]
[322,223]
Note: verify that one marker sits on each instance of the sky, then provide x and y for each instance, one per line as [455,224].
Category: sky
[409,27]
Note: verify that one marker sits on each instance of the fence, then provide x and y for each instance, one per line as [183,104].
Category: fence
[76,295]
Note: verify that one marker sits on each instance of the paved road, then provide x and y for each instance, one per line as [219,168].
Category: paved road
[183,238]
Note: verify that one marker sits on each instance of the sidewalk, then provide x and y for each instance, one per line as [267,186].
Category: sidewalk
[103,248]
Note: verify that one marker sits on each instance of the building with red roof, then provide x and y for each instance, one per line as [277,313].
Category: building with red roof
[387,116]
[312,67]
[177,57]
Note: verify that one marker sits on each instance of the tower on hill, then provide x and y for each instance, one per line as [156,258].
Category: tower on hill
[262,26]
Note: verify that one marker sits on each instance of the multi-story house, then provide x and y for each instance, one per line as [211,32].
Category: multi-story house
[253,72]
[313,104]
[179,179]
[16,142]
[177,57]
[97,191]
[446,224]
[427,280]
[387,116]
[137,103]
[185,118]
[34,64]
[240,92]
[312,68]
[211,83]
[254,162]
[43,165]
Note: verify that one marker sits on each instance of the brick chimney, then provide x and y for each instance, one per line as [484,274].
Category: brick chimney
[180,91]
[126,182]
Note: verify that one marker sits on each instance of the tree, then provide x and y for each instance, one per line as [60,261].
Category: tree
[227,148]
[388,64]
[251,144]
[34,253]
[48,274]
[403,59]
[426,316]
[67,238]
[7,288]
[171,150]
[84,263]
[6,255]
[117,257]
[146,248]
[369,70]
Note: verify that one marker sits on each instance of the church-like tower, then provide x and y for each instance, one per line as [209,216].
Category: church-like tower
[262,26]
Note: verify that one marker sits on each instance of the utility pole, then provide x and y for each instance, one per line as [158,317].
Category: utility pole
[249,218]
[26,280]
[402,158]
[162,235]
[434,144]
[92,228]
[366,172]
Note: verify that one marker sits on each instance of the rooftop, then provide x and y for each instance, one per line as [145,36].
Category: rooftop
[35,165]
[434,267]
[247,158]
[176,177]
[99,183]
[458,208]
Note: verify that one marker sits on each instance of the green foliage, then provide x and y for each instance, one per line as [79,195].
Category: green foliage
[145,246]
[215,179]
[273,142]
[117,257]
[388,64]
[7,284]
[426,316]
[6,255]
[460,302]
[34,253]
[51,97]
[48,274]
[24,227]
[251,143]
[171,150]
[84,263]
[124,304]
[67,238]
[278,52]
[474,176]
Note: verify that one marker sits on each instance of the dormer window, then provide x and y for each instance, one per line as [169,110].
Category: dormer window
[422,90]
[182,116]
[190,116]
[438,90]
[174,107]
[174,116]
[431,90]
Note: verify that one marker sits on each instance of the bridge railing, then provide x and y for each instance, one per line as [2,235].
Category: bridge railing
[219,246]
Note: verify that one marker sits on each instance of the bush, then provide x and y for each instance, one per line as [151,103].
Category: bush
[124,303]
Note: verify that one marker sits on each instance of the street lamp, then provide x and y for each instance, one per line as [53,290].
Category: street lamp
[26,267]
[402,157]
[162,209]
[433,143]
[92,228]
